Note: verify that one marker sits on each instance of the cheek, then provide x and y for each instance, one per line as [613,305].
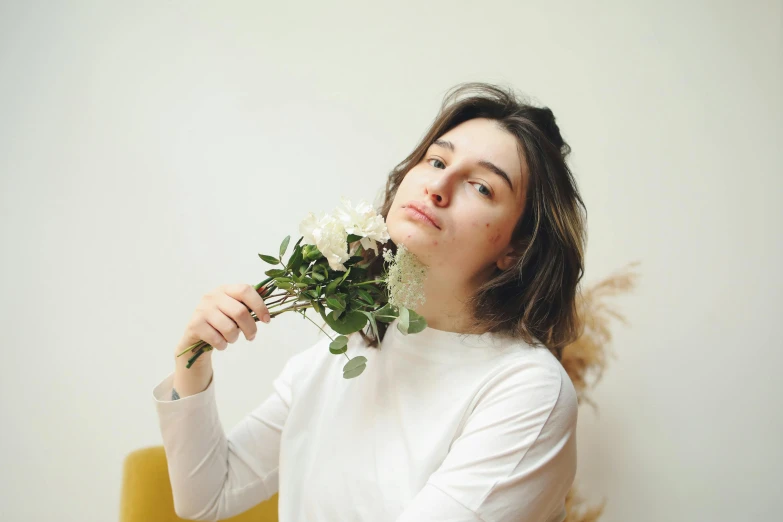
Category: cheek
[491,234]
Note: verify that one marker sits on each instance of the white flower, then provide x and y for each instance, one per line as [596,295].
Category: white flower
[307,227]
[405,279]
[330,238]
[363,221]
[330,232]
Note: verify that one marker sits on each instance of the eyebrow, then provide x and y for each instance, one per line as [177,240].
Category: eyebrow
[483,163]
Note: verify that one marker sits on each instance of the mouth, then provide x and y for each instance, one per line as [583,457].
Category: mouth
[417,214]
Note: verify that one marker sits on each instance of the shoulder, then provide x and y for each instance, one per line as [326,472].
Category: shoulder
[531,379]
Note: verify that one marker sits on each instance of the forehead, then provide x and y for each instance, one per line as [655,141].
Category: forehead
[484,139]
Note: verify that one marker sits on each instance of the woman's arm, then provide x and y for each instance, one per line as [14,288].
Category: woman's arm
[213,475]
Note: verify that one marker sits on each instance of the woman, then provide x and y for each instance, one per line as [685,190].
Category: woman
[473,419]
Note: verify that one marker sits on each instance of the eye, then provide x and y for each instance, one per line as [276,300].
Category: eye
[488,193]
[439,161]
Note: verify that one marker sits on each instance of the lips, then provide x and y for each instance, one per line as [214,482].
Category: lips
[423,210]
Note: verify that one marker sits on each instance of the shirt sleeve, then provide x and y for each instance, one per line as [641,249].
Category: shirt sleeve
[515,458]
[213,475]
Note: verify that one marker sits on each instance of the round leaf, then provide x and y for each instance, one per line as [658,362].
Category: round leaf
[404,322]
[357,361]
[339,345]
[416,323]
[349,322]
[354,372]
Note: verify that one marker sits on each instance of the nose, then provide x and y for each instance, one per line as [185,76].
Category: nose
[440,186]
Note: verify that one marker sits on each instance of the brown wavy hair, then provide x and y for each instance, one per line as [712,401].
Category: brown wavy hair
[536,299]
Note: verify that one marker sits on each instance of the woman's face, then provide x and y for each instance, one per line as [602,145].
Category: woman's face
[460,182]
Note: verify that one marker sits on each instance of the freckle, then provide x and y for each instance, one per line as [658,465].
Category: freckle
[487,225]
[436,242]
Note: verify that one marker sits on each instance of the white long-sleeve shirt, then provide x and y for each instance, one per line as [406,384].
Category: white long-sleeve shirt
[440,426]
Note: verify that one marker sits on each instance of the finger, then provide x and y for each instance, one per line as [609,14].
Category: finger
[239,313]
[226,326]
[209,334]
[248,295]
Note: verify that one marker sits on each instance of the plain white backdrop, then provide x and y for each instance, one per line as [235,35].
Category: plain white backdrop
[149,152]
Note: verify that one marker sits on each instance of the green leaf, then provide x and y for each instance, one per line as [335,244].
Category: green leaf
[416,323]
[353,363]
[321,311]
[349,322]
[284,245]
[356,304]
[339,345]
[365,295]
[386,313]
[353,237]
[284,285]
[337,314]
[275,272]
[296,260]
[373,324]
[404,322]
[282,279]
[353,260]
[354,372]
[302,285]
[269,259]
[344,276]
[332,286]
[335,304]
[322,269]
[318,277]
[318,308]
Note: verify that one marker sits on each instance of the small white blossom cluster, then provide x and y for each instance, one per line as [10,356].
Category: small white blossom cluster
[405,279]
[330,232]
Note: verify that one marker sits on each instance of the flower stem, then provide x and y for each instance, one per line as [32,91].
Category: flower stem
[304,314]
[368,282]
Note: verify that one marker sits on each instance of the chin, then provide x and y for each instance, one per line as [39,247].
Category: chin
[415,241]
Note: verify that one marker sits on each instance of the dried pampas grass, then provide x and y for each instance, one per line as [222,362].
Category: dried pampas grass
[586,358]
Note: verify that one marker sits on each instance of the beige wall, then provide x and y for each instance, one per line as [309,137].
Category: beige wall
[148,153]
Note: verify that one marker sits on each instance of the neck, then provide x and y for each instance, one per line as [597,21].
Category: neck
[445,304]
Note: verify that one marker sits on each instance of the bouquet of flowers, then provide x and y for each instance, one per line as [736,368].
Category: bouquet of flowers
[326,271]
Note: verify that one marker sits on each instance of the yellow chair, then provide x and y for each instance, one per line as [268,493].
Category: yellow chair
[146,492]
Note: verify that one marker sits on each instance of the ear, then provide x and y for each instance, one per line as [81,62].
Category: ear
[507,259]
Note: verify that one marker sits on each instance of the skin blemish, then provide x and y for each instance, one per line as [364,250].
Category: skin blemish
[487,225]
